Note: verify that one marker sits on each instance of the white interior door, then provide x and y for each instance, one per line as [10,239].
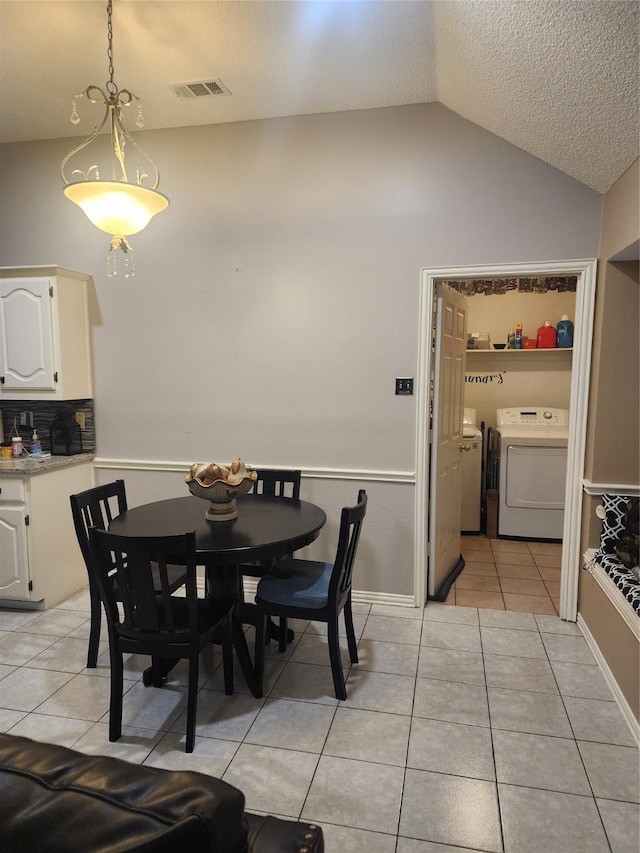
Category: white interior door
[447,445]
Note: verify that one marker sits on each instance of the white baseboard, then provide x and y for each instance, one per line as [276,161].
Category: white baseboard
[389,598]
[357,596]
[634,725]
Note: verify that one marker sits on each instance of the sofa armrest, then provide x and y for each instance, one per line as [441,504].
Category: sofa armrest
[56,799]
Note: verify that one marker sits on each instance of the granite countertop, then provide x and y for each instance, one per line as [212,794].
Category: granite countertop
[31,465]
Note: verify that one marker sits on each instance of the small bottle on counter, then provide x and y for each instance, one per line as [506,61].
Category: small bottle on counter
[16,446]
[36,446]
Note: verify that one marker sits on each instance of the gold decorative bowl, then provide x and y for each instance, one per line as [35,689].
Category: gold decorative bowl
[220,485]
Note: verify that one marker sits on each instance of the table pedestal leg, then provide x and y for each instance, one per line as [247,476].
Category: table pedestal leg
[225,582]
[248,617]
[165,666]
[244,658]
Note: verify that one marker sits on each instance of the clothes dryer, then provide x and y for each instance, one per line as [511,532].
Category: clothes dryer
[533,471]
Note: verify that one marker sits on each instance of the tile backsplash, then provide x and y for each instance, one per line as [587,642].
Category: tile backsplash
[44,413]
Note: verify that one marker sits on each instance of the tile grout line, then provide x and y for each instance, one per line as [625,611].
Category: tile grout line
[493,750]
[575,739]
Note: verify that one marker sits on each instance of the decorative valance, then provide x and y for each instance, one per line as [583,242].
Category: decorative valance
[500,286]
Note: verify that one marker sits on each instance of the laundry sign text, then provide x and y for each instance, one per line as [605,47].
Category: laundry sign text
[485,378]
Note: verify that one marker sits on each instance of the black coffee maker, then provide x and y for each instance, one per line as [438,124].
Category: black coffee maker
[65,435]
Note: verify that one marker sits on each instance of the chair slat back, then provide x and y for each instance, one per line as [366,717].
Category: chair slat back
[350,526]
[124,571]
[277,483]
[96,508]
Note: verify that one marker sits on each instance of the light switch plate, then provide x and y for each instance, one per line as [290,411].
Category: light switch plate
[404,385]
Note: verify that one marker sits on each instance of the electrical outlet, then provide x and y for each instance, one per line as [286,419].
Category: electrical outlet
[80,419]
[404,385]
[26,419]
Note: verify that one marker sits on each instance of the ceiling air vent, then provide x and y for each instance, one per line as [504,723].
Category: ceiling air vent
[200,89]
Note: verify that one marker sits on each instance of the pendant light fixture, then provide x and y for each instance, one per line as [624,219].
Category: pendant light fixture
[119,206]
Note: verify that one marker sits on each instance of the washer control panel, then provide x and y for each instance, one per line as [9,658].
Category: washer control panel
[530,416]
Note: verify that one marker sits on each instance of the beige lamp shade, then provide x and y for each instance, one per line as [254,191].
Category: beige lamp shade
[117,207]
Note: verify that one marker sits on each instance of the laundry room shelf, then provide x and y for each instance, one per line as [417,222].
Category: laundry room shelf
[520,353]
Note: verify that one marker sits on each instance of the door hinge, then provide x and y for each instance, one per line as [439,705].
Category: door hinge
[51,291]
[30,586]
[26,520]
[55,376]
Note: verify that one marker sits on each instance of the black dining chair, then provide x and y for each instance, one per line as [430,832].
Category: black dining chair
[307,589]
[145,620]
[276,483]
[96,508]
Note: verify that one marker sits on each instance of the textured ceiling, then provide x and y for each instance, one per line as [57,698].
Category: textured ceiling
[558,79]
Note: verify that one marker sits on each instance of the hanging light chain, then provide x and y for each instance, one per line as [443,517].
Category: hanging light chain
[111,87]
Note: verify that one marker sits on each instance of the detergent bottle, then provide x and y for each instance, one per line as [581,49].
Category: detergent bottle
[565,332]
[518,336]
[546,336]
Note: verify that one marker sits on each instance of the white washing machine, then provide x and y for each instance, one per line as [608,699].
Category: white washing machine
[533,471]
[471,473]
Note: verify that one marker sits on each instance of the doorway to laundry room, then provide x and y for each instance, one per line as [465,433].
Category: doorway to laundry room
[521,566]
[517,397]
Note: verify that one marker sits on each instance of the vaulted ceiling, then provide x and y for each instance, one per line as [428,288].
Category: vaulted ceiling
[557,78]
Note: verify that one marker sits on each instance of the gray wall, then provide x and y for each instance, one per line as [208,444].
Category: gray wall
[612,440]
[277,298]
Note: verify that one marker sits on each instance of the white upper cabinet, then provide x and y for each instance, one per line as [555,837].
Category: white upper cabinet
[26,357]
[45,350]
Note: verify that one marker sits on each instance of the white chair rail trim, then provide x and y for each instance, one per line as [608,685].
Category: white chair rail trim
[610,489]
[315,473]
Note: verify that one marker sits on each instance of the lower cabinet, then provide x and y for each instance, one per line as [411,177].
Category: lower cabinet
[40,561]
[14,562]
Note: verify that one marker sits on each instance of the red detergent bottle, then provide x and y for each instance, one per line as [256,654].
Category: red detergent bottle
[546,336]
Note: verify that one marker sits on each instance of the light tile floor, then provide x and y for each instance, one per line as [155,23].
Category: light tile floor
[464,728]
[505,574]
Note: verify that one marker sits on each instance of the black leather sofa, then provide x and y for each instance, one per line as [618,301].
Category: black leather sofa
[57,800]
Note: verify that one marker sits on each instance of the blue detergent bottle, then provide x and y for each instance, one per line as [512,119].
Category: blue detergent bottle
[564,332]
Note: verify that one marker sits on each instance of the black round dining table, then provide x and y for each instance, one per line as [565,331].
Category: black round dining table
[266,528]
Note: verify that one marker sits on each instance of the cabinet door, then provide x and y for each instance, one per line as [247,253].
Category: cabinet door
[14,565]
[26,342]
